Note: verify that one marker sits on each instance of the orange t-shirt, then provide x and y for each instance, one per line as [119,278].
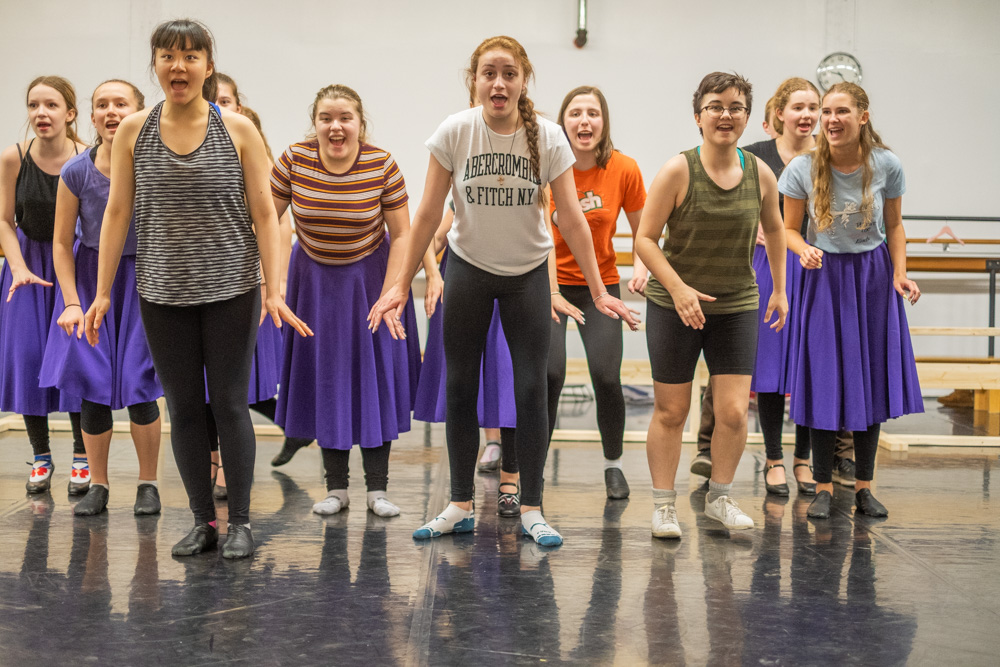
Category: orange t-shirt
[603,193]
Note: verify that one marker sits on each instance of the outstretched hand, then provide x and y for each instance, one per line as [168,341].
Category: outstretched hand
[616,309]
[561,305]
[279,311]
[687,303]
[388,309]
[23,277]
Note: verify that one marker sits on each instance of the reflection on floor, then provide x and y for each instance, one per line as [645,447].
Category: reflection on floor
[920,587]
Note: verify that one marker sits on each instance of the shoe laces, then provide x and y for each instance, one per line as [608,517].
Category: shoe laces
[731,508]
[667,514]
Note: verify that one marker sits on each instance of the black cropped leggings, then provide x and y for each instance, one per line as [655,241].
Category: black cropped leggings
[96,418]
[602,342]
[213,341]
[824,445]
[524,303]
[374,459]
[771,410]
[38,433]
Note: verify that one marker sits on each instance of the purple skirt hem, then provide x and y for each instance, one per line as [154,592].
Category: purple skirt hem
[854,364]
[344,386]
[24,329]
[496,376]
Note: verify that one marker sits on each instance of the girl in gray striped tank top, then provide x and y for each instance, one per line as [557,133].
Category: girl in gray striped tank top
[710,199]
[196,177]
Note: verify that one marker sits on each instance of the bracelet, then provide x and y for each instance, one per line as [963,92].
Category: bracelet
[554,293]
[70,305]
[600,295]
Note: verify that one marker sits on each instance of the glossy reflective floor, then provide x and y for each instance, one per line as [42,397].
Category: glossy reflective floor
[920,587]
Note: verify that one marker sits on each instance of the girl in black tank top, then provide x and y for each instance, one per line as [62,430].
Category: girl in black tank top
[197,176]
[27,214]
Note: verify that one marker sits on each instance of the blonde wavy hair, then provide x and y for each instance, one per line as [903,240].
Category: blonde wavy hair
[821,169]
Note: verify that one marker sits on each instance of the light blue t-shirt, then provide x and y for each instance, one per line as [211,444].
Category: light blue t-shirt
[844,236]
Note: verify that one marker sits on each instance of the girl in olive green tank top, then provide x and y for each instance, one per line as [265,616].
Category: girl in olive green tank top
[710,239]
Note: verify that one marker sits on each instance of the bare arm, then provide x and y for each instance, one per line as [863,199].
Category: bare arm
[559,302]
[666,193]
[117,215]
[63,236]
[774,244]
[896,240]
[574,228]
[10,164]
[256,178]
[388,308]
[810,257]
[640,274]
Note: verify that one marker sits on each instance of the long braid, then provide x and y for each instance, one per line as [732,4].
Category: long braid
[527,110]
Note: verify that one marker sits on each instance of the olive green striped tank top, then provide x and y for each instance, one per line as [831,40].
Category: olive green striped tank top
[710,239]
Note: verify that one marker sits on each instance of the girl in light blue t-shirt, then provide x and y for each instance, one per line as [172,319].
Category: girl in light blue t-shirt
[853,361]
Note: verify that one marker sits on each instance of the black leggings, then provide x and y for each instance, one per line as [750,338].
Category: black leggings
[771,410]
[374,459]
[266,408]
[96,419]
[602,341]
[213,341]
[38,433]
[524,303]
[824,445]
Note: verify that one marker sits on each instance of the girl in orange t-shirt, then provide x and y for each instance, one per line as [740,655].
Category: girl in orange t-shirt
[607,182]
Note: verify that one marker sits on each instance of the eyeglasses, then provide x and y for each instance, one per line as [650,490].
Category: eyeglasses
[716,111]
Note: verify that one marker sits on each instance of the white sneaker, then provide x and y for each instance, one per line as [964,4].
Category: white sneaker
[330,505]
[665,521]
[725,510]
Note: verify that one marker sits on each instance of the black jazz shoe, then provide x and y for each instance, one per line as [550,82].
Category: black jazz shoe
[147,500]
[288,450]
[93,503]
[615,484]
[867,504]
[201,538]
[819,508]
[239,543]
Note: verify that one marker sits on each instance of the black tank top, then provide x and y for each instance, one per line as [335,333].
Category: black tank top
[35,198]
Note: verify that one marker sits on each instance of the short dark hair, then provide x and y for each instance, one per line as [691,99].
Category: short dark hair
[187,34]
[720,82]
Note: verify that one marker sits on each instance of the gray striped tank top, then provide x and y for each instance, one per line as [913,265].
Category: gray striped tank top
[195,240]
[710,239]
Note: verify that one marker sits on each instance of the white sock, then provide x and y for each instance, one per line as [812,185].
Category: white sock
[104,485]
[152,482]
[534,524]
[663,497]
[379,504]
[446,521]
[617,463]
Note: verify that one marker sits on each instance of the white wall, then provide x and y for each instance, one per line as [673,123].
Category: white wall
[929,67]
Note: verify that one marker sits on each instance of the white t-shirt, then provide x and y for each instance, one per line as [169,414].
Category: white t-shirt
[499,226]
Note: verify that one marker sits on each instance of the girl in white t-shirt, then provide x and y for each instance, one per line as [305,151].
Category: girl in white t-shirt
[496,160]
